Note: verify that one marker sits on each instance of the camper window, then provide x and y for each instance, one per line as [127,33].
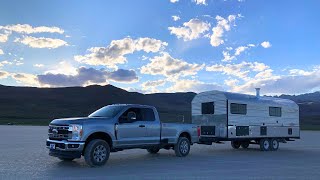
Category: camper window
[207,108]
[275,111]
[238,108]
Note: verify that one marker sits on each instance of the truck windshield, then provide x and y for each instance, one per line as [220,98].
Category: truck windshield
[107,111]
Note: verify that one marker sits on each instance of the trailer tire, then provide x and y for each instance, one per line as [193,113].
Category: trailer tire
[245,144]
[182,148]
[153,150]
[265,145]
[97,152]
[274,144]
[235,144]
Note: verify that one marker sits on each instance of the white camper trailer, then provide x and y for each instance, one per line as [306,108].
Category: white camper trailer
[245,119]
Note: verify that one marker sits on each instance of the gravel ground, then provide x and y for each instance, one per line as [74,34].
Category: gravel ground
[23,156]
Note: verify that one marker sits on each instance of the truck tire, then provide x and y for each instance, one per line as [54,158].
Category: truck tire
[66,159]
[182,148]
[97,152]
[274,144]
[245,144]
[265,145]
[235,144]
[153,150]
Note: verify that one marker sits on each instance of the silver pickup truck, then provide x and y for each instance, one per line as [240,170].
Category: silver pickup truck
[114,128]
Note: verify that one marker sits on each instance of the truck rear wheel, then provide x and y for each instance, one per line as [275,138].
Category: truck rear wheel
[235,144]
[265,145]
[97,152]
[66,159]
[182,148]
[153,150]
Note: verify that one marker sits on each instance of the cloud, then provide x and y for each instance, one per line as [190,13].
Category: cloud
[170,67]
[240,49]
[175,18]
[223,25]
[26,79]
[4,74]
[115,53]
[190,30]
[200,2]
[240,70]
[38,65]
[266,44]
[4,37]
[227,55]
[1,52]
[122,75]
[152,86]
[288,84]
[63,67]
[18,62]
[87,76]
[186,85]
[2,63]
[28,29]
[41,42]
[174,1]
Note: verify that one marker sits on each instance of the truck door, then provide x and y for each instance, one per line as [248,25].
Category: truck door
[152,125]
[131,130]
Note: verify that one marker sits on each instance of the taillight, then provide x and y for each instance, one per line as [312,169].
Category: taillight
[199,130]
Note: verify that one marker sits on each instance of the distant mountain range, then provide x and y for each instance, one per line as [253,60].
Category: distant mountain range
[30,105]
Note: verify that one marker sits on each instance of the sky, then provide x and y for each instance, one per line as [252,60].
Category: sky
[162,45]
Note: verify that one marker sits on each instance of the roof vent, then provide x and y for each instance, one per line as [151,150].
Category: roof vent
[258,92]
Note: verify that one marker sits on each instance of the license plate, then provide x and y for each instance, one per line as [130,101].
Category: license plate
[52,146]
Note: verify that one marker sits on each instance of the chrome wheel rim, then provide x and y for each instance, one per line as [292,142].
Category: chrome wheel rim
[266,144]
[184,147]
[100,153]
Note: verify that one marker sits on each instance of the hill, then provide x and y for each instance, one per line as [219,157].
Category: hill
[30,105]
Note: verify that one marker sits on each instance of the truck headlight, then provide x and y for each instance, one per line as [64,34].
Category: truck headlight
[76,131]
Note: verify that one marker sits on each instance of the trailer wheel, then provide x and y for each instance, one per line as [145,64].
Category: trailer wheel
[245,144]
[235,144]
[182,148]
[265,145]
[274,144]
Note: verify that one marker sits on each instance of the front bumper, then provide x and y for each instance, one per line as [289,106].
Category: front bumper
[65,145]
[65,149]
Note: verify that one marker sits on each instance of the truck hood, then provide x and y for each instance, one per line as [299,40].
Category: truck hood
[76,120]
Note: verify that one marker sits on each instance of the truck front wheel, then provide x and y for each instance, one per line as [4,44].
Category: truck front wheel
[97,152]
[182,148]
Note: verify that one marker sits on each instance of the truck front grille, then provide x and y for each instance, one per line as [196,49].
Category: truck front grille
[59,132]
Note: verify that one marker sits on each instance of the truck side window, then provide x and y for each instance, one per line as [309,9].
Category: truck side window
[137,111]
[207,108]
[238,108]
[147,114]
[275,111]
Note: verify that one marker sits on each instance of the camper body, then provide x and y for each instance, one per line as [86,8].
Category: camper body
[245,119]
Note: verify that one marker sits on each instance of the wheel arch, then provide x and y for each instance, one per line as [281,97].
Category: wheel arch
[99,135]
[185,134]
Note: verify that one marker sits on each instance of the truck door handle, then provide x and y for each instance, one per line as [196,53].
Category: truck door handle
[142,126]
